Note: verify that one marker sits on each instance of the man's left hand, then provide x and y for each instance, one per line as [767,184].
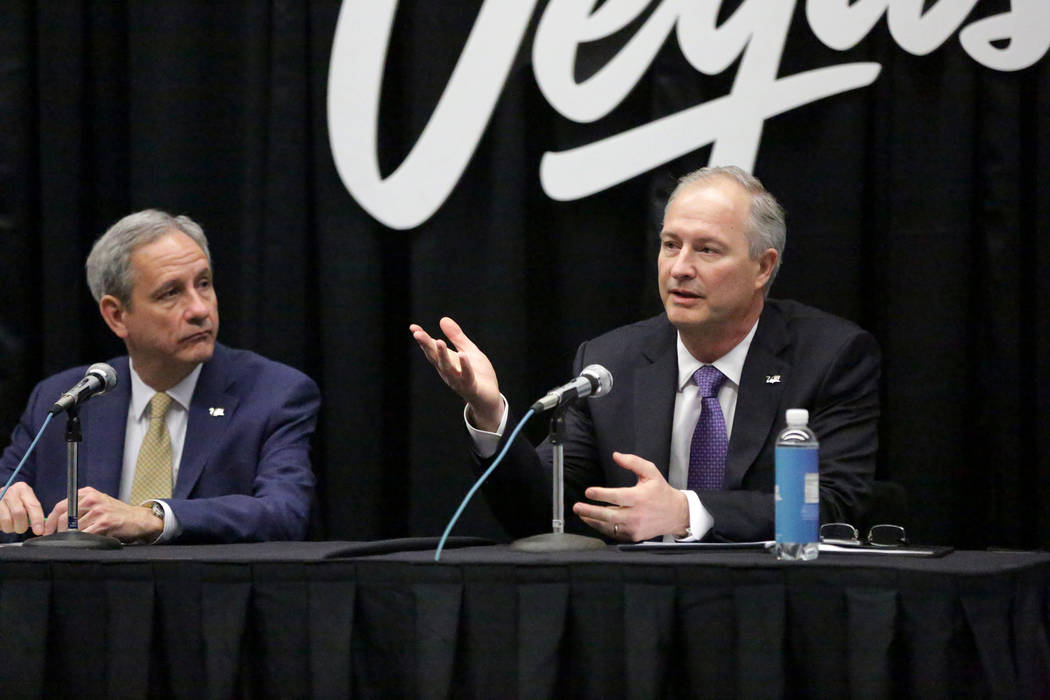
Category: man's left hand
[650,508]
[104,515]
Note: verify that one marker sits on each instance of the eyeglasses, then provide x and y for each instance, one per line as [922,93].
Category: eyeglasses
[878,535]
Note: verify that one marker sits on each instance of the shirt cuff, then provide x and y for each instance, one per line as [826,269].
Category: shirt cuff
[485,443]
[171,523]
[700,520]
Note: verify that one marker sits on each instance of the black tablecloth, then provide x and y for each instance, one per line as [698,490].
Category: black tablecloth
[337,619]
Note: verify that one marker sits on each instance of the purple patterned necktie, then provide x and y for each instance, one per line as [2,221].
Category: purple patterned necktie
[707,451]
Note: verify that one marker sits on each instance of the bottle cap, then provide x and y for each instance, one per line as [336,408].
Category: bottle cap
[797,416]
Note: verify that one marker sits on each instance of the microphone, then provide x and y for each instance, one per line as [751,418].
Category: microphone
[594,381]
[98,379]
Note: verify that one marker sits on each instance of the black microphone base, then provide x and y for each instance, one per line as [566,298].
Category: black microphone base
[74,539]
[557,542]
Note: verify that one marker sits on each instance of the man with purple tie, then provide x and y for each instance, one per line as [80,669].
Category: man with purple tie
[197,442]
[683,447]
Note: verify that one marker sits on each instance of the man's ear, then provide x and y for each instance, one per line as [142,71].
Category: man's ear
[113,310]
[767,262]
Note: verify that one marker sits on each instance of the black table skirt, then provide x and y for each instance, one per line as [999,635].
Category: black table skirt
[291,620]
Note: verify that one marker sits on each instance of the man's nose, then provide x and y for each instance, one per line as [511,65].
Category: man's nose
[683,267]
[197,307]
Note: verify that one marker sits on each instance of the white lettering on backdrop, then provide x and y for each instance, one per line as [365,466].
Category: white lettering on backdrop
[755,34]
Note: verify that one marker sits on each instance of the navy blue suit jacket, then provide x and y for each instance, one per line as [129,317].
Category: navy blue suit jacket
[800,357]
[245,471]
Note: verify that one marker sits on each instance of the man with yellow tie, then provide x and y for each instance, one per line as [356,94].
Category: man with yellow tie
[198,442]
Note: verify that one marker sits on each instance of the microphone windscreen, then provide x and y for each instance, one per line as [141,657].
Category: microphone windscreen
[106,373]
[601,377]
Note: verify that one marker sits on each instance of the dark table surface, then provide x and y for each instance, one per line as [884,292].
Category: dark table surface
[383,619]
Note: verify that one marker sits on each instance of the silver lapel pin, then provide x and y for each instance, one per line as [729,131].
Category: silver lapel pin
[217,412]
[770,379]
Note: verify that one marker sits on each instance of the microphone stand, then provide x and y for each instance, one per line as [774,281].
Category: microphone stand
[558,540]
[73,537]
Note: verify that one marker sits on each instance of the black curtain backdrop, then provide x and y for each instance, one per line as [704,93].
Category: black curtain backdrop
[917,207]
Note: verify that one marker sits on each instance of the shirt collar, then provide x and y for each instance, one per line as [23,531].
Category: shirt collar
[731,364]
[141,393]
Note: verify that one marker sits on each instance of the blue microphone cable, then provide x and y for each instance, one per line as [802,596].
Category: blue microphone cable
[26,456]
[481,479]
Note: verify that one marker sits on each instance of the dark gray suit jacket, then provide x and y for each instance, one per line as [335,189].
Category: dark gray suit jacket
[824,363]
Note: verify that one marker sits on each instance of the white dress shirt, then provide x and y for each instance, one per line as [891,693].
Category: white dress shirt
[686,413]
[687,407]
[176,419]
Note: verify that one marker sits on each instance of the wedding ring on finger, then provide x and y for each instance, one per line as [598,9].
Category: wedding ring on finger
[616,529]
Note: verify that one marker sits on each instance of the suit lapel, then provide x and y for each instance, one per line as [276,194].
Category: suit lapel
[758,398]
[104,422]
[211,411]
[653,404]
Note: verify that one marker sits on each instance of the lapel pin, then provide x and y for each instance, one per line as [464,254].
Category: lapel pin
[217,412]
[770,379]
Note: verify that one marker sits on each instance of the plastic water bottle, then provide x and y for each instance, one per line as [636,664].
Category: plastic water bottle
[797,491]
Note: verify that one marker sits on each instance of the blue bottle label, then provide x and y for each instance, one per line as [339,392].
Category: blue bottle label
[797,494]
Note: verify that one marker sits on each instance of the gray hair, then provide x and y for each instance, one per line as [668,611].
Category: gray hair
[765,226]
[108,265]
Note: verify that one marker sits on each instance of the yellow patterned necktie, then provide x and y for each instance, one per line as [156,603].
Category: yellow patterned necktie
[153,467]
